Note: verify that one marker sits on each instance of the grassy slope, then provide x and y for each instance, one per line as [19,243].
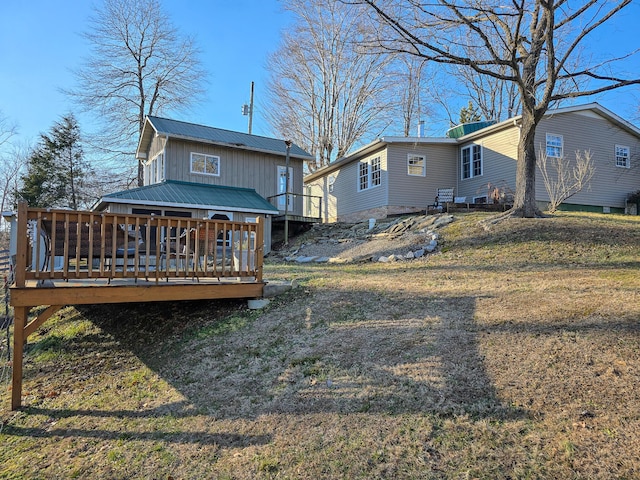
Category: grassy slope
[513,353]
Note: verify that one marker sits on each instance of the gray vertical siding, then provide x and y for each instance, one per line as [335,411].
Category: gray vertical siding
[238,168]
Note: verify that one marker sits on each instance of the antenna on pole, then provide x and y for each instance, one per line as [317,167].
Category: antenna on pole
[248,109]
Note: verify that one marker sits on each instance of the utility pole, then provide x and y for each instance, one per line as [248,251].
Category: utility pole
[248,109]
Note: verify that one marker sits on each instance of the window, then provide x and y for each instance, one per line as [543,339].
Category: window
[330,182]
[622,157]
[416,165]
[369,174]
[471,161]
[554,145]
[205,164]
[376,173]
[154,170]
[364,176]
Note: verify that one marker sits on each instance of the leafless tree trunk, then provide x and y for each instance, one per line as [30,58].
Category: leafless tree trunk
[538,52]
[139,65]
[10,164]
[325,92]
[561,180]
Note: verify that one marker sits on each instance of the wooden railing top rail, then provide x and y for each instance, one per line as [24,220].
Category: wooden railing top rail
[66,244]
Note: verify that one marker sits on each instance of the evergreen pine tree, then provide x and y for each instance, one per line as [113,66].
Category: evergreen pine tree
[56,169]
[469,114]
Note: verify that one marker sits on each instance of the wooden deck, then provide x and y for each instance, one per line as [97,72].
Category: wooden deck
[70,258]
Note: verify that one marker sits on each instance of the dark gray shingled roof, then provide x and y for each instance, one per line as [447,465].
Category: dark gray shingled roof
[192,131]
[193,195]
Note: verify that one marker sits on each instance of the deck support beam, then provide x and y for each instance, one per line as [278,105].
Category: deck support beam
[19,339]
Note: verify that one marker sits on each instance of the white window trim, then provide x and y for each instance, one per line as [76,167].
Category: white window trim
[422,165]
[206,155]
[627,163]
[370,173]
[470,148]
[561,147]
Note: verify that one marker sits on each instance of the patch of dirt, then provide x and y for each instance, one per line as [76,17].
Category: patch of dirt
[359,242]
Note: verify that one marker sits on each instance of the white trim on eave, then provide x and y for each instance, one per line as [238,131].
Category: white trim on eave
[596,107]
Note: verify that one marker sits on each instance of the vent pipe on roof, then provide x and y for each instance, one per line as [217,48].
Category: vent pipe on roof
[420,128]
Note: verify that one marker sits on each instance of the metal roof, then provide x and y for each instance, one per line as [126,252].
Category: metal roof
[218,136]
[173,193]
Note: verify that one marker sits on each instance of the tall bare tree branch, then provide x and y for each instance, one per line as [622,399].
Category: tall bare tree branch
[540,53]
[139,65]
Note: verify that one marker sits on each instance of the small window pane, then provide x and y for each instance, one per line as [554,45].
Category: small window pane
[416,165]
[477,161]
[364,176]
[466,162]
[622,156]
[376,176]
[554,145]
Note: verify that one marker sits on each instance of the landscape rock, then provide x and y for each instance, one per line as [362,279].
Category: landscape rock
[306,259]
[400,239]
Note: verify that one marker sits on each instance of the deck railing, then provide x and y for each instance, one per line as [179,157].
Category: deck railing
[64,244]
[309,206]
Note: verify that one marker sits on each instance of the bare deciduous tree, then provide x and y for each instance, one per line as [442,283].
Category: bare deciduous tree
[325,93]
[563,180]
[496,99]
[539,49]
[10,163]
[139,65]
[408,89]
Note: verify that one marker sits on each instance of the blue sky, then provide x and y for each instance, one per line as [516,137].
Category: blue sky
[40,43]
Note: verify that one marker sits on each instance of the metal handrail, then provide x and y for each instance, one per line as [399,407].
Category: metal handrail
[311,204]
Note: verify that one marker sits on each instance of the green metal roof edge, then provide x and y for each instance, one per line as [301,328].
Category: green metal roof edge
[127,194]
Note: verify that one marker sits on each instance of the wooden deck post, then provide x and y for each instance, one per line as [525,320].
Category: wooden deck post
[19,322]
[21,247]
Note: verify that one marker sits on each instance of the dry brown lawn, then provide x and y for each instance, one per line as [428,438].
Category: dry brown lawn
[513,353]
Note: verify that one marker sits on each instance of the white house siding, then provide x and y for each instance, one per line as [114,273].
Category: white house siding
[586,130]
[320,188]
[356,205]
[238,168]
[409,193]
[499,151]
[346,203]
